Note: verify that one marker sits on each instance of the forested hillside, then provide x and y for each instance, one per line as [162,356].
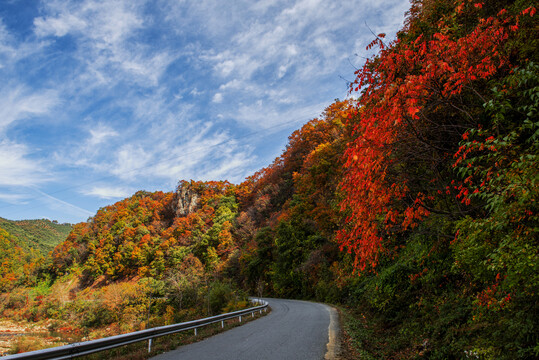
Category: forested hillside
[24,246]
[412,205]
[40,234]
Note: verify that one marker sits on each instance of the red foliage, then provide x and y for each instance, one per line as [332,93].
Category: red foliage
[397,87]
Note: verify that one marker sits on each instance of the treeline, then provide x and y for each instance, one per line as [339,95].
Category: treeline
[413,206]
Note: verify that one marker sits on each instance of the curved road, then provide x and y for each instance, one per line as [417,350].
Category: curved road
[293,330]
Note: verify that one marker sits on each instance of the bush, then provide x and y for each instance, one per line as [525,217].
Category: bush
[219,295]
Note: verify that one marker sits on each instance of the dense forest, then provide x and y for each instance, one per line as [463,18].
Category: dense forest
[412,205]
[42,234]
[23,247]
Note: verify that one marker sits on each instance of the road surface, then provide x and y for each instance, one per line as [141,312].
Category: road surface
[293,330]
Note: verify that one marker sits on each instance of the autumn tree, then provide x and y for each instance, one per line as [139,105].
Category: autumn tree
[418,97]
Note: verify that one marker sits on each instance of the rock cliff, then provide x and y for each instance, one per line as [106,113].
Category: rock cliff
[187,200]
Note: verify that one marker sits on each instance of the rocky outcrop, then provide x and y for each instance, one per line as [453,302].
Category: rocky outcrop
[187,200]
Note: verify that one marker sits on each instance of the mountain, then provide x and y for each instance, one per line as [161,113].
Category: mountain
[41,234]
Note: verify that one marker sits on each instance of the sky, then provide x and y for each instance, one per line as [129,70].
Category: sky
[102,98]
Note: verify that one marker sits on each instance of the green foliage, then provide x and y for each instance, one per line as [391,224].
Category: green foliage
[499,248]
[19,265]
[217,240]
[288,213]
[256,263]
[287,276]
[220,295]
[41,235]
[134,264]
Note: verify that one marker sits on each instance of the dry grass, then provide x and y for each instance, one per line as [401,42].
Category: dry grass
[27,343]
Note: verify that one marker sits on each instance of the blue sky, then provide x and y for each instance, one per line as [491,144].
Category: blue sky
[101,98]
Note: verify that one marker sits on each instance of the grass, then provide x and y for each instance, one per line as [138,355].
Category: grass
[364,336]
[31,342]
[355,334]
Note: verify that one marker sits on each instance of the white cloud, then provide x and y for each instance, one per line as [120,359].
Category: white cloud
[91,150]
[100,133]
[107,22]
[298,34]
[6,48]
[216,158]
[59,26]
[14,198]
[106,32]
[232,164]
[12,50]
[17,168]
[20,102]
[130,160]
[268,115]
[275,52]
[177,147]
[294,49]
[196,92]
[218,98]
[108,192]
[225,67]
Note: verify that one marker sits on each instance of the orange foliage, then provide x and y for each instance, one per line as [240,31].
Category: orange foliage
[306,168]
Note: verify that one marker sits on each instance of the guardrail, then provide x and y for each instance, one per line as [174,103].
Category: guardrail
[89,347]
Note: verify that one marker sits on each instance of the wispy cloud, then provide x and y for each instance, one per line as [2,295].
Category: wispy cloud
[218,98]
[14,198]
[6,49]
[265,114]
[17,169]
[105,32]
[58,204]
[100,133]
[12,50]
[20,102]
[271,56]
[108,192]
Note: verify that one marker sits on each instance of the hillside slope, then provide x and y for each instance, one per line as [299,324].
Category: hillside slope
[40,234]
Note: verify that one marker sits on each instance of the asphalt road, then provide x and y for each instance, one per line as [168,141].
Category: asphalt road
[293,330]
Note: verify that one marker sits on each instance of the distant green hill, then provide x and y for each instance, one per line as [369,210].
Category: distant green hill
[42,234]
